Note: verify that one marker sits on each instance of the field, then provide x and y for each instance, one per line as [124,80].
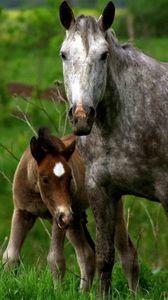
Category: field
[20,118]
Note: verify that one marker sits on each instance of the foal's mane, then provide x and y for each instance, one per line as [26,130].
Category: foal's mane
[48,142]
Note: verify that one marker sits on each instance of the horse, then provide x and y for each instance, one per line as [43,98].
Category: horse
[118,99]
[49,183]
[48,170]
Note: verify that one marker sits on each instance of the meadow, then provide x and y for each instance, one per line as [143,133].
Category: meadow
[20,118]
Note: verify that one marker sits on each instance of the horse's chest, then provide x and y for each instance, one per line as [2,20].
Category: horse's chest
[110,164]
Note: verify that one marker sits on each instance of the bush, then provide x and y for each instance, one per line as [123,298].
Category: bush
[31,28]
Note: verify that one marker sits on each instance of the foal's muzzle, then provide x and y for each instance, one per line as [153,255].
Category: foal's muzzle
[64,220]
[81,118]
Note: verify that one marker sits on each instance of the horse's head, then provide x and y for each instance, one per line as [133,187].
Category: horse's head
[54,175]
[85,54]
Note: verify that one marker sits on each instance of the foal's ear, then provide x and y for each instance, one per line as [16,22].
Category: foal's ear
[36,150]
[106,19]
[68,151]
[66,15]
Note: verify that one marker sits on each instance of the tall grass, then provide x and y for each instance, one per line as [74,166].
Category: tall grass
[36,283]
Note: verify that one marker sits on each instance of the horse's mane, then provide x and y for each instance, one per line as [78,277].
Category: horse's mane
[111,36]
[49,142]
[83,24]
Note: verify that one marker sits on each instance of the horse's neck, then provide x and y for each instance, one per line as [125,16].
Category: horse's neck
[122,73]
[133,81]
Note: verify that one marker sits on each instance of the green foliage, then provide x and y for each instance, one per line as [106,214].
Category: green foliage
[150,17]
[31,28]
[120,24]
[20,3]
[117,3]
[29,38]
[84,3]
[38,27]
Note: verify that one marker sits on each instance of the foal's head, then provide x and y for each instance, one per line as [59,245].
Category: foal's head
[54,174]
[85,53]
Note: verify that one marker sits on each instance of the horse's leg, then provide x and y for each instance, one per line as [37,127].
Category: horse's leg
[104,210]
[22,222]
[55,258]
[78,236]
[126,249]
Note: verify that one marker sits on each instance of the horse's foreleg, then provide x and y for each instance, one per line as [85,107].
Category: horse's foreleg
[22,222]
[77,235]
[104,209]
[126,250]
[55,258]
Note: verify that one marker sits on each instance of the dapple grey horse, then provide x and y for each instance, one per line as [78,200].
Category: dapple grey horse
[118,100]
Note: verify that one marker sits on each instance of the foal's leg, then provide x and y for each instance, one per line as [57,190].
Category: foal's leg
[85,254]
[22,222]
[126,249]
[55,258]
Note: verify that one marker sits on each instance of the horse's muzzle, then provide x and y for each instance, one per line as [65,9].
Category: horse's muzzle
[81,119]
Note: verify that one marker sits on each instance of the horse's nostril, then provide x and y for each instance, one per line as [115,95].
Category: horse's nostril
[92,111]
[70,113]
[75,121]
[60,218]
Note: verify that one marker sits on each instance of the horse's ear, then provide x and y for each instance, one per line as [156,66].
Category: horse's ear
[66,15]
[68,151]
[106,19]
[36,150]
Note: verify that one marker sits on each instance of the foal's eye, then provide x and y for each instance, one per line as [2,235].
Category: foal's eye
[45,179]
[63,55]
[104,55]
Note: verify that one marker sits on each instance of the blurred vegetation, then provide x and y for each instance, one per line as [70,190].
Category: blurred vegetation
[19,3]
[77,3]
[150,17]
[30,40]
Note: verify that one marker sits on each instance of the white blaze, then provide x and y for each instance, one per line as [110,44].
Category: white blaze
[84,71]
[59,169]
[64,209]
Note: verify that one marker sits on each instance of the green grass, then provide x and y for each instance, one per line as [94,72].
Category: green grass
[36,283]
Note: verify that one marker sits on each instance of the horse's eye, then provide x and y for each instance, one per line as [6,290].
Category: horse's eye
[45,179]
[104,55]
[63,55]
